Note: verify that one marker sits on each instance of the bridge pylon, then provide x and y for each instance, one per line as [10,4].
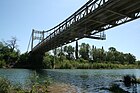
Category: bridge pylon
[37,35]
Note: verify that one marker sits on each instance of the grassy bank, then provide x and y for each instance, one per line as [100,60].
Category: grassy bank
[69,64]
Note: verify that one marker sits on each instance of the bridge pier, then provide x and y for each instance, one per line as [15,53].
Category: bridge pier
[36,60]
[76,50]
[53,65]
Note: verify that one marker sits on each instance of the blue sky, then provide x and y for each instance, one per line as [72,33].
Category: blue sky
[19,17]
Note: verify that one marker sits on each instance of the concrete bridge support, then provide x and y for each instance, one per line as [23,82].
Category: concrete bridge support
[76,50]
[36,60]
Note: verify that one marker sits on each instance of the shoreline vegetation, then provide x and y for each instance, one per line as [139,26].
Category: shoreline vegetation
[7,87]
[87,65]
[66,57]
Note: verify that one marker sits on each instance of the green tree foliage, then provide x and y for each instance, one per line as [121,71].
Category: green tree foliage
[111,56]
[129,58]
[69,51]
[112,49]
[11,44]
[9,53]
[24,57]
[84,51]
[90,58]
[98,55]
[138,63]
[61,56]
[48,61]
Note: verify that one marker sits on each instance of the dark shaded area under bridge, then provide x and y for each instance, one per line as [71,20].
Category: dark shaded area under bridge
[92,18]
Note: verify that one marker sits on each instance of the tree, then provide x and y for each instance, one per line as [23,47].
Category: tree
[111,54]
[23,57]
[48,61]
[9,52]
[93,53]
[138,62]
[102,54]
[69,51]
[84,51]
[121,58]
[98,55]
[129,58]
[12,44]
[112,49]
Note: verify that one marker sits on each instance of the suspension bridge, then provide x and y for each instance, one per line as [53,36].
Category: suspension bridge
[90,21]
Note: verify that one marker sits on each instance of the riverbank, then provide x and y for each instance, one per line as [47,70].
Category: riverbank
[88,65]
[61,88]
[7,87]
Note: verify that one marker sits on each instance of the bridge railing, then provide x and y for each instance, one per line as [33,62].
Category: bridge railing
[86,9]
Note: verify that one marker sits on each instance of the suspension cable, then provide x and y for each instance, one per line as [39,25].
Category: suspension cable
[29,43]
[31,38]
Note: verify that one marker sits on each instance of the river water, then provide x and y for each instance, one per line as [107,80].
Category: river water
[85,80]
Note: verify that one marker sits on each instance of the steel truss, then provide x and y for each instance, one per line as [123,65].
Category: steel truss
[92,18]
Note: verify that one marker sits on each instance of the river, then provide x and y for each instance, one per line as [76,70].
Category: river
[84,80]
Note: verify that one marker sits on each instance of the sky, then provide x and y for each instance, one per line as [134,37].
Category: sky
[19,17]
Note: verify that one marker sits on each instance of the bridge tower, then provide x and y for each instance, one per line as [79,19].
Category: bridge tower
[37,35]
[35,59]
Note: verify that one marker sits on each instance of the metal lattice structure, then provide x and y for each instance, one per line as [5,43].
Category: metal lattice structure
[37,35]
[90,21]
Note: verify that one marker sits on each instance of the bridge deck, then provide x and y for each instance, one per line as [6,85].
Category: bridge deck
[94,17]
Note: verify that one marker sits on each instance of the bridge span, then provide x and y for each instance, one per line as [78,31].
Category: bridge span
[92,18]
[90,21]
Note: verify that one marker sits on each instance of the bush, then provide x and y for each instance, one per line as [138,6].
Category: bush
[4,85]
[2,63]
[138,63]
[66,65]
[83,60]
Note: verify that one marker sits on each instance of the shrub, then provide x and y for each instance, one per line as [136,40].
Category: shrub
[2,63]
[66,65]
[4,85]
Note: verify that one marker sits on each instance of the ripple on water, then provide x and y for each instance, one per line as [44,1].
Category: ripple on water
[83,81]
